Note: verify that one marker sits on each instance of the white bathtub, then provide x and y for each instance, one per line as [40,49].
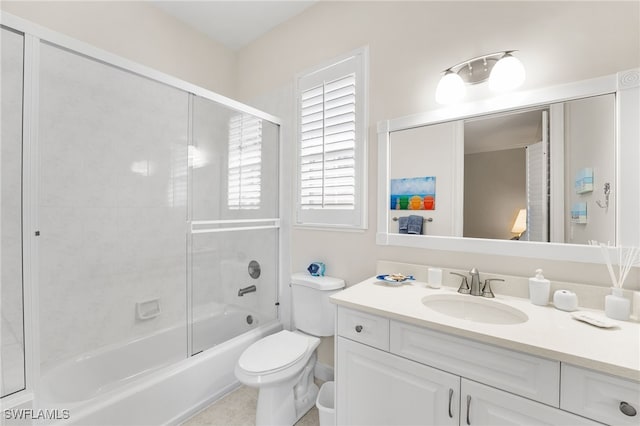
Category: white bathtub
[138,384]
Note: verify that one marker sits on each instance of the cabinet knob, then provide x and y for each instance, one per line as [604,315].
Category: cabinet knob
[627,409]
[358,328]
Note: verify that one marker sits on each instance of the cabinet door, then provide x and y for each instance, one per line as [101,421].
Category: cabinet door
[484,405]
[377,388]
[599,396]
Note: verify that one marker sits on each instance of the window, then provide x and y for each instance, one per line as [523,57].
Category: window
[331,179]
[245,160]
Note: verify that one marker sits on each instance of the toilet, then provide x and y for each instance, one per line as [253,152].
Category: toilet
[281,365]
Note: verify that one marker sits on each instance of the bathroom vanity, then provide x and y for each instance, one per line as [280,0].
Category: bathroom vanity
[407,354]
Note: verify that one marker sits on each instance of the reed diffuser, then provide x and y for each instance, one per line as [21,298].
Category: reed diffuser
[617,306]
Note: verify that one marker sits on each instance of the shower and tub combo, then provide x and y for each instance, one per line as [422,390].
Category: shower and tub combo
[140,234]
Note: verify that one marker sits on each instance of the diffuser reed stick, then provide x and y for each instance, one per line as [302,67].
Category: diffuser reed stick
[628,257]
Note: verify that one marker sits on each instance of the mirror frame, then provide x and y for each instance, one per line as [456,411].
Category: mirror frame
[625,85]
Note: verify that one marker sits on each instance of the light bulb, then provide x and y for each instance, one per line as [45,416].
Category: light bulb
[450,88]
[507,74]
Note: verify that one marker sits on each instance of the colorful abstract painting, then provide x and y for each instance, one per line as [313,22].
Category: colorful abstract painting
[417,193]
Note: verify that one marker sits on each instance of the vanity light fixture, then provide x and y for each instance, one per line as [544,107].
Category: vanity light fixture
[503,70]
[450,89]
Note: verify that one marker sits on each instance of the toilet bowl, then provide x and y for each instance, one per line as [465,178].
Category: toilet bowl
[281,366]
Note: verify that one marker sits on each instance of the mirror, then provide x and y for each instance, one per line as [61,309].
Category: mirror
[506,175]
[556,166]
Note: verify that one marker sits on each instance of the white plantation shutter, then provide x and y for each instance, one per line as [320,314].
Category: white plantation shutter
[327,146]
[331,151]
[537,193]
[245,162]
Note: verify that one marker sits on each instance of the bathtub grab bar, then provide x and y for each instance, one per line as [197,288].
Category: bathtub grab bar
[203,226]
[245,228]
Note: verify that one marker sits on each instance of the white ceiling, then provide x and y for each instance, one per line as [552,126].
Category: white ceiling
[236,23]
[502,132]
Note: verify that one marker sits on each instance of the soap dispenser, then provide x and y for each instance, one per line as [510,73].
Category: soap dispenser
[539,288]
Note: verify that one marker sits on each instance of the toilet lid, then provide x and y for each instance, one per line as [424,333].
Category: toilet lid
[274,352]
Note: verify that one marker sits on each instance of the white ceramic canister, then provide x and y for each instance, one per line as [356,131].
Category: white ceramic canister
[565,300]
[435,277]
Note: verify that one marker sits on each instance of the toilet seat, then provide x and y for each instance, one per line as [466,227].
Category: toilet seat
[274,353]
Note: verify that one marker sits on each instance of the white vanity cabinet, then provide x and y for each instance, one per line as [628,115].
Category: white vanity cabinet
[415,376]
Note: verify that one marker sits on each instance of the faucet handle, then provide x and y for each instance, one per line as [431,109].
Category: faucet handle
[486,289]
[464,284]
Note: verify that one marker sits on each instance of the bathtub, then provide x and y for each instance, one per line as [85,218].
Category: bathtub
[140,383]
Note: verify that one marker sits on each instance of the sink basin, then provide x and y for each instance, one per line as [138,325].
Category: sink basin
[474,308]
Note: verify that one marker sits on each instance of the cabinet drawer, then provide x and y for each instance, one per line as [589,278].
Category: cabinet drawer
[364,328]
[484,405]
[599,396]
[516,372]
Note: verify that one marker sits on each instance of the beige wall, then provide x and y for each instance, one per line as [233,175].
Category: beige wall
[495,189]
[410,44]
[140,32]
[589,126]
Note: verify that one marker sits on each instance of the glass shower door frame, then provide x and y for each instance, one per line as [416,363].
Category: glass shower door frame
[199,227]
[33,35]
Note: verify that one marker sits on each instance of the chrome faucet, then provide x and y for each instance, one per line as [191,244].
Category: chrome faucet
[475,282]
[246,290]
[476,289]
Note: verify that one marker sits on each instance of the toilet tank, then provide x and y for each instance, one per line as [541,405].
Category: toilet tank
[312,311]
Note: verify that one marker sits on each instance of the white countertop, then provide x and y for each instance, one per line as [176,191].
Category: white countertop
[548,333]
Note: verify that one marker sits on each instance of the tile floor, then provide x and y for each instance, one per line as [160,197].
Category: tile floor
[239,409]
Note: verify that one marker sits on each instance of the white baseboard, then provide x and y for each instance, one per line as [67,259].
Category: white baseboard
[323,372]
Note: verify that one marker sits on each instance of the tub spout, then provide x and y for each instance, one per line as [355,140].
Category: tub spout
[246,290]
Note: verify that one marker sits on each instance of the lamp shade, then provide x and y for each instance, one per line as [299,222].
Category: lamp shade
[520,224]
[507,74]
[450,88]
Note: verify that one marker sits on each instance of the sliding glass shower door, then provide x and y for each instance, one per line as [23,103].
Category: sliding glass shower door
[234,222]
[12,360]
[112,210]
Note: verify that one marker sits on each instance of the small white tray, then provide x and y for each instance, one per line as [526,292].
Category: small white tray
[594,319]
